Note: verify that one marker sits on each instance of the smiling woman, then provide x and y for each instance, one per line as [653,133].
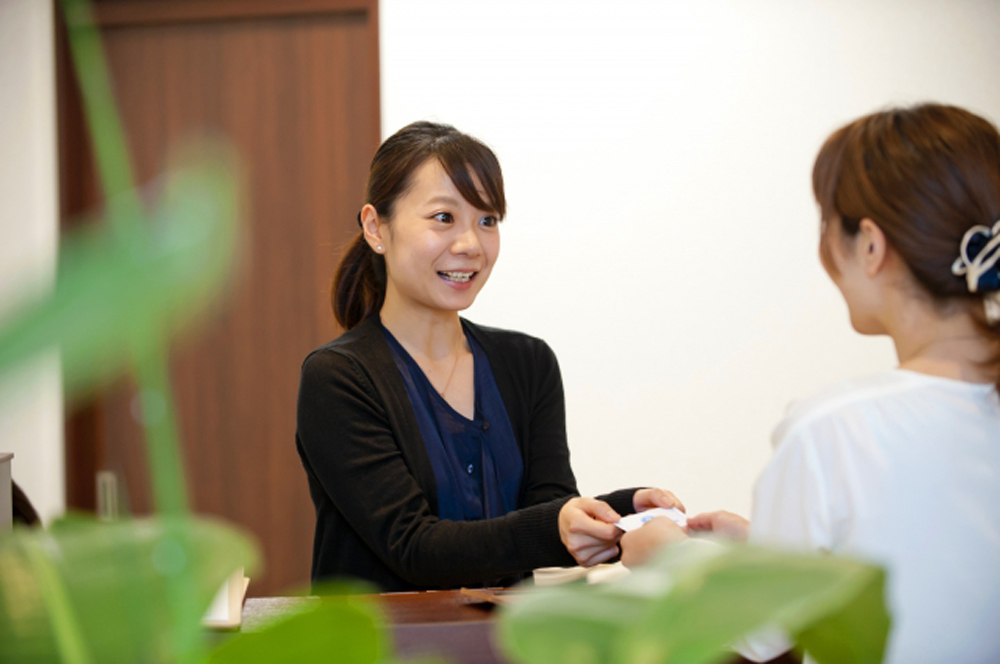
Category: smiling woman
[435,448]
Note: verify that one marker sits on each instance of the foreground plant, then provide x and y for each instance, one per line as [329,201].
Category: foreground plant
[694,602]
[135,591]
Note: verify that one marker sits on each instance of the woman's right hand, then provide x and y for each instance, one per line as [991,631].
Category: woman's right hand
[640,544]
[726,524]
[587,530]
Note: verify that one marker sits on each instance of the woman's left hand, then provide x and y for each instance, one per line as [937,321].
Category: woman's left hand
[645,499]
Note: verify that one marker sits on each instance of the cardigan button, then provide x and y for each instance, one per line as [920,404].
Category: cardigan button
[486,426]
[469,469]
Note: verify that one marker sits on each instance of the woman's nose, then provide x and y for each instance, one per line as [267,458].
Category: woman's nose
[467,243]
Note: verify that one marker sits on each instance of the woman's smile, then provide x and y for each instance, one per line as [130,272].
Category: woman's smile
[460,279]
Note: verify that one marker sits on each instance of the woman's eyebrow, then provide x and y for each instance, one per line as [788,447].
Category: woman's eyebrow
[442,199]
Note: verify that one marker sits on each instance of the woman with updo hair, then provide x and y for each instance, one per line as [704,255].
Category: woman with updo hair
[435,448]
[901,468]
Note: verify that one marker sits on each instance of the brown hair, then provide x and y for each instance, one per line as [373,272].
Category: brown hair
[359,285]
[925,175]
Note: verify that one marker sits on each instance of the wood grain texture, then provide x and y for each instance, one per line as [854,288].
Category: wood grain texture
[298,95]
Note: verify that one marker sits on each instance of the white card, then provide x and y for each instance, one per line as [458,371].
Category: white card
[637,520]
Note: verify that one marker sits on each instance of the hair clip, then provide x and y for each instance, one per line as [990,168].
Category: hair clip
[977,258]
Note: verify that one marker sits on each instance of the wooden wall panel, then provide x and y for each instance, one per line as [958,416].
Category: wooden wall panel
[298,94]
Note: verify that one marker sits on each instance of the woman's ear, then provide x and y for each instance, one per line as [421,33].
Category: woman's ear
[372,227]
[873,245]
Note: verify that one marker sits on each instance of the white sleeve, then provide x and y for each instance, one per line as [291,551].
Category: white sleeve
[792,503]
[790,510]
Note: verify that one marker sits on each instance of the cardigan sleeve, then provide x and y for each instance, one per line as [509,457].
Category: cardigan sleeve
[548,473]
[349,445]
[547,460]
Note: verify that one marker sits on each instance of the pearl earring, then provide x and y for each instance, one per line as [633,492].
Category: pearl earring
[378,248]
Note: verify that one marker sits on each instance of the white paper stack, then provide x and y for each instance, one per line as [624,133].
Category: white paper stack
[226,610]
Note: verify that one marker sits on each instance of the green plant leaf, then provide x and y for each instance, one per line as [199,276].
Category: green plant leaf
[572,624]
[135,590]
[92,592]
[725,596]
[120,293]
[344,629]
[344,624]
[855,634]
[693,602]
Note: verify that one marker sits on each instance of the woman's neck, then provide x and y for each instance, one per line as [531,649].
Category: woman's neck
[434,335]
[946,346]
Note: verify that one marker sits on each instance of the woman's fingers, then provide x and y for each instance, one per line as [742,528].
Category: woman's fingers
[598,509]
[645,499]
[701,521]
[597,556]
[587,530]
[722,523]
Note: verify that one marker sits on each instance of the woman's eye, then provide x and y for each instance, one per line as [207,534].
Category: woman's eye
[443,217]
[489,221]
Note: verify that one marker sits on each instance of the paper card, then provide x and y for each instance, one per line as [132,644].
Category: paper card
[639,519]
[226,610]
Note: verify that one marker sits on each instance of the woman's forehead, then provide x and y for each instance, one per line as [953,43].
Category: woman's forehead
[432,184]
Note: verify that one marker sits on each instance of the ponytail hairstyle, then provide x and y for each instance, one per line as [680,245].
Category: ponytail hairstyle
[926,175]
[360,282]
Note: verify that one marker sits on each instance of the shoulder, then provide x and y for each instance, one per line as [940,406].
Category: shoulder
[349,353]
[511,344]
[849,404]
[824,443]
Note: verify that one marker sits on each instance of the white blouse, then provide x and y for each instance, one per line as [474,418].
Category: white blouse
[902,469]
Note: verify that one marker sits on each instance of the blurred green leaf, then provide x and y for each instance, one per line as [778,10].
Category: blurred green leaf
[120,294]
[110,151]
[693,602]
[72,519]
[92,592]
[133,591]
[852,635]
[570,624]
[343,629]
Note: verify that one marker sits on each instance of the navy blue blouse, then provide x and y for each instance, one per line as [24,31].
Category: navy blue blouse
[477,464]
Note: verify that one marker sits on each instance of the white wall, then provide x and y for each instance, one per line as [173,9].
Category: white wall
[30,402]
[661,232]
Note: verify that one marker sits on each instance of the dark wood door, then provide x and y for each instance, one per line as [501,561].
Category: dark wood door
[294,84]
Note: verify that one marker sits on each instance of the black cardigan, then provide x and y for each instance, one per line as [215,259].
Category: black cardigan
[373,485]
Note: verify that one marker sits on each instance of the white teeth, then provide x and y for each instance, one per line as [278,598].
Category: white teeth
[460,277]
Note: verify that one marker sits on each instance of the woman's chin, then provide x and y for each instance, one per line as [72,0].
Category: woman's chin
[866,327]
[450,303]
[459,297]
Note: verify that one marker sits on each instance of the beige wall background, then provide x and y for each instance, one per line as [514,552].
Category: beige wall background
[661,233]
[31,399]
